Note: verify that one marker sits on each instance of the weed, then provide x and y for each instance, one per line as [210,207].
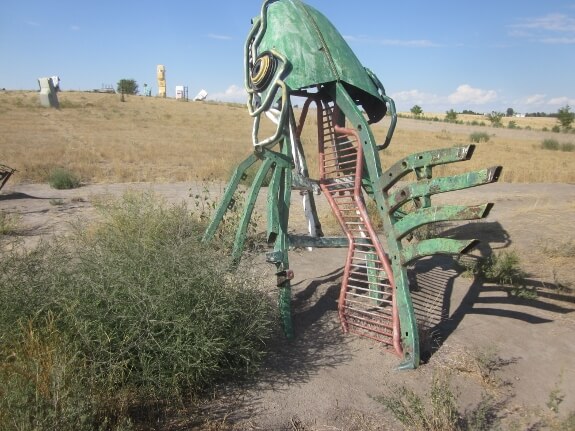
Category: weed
[8,223]
[479,137]
[444,135]
[550,144]
[56,202]
[568,147]
[556,397]
[560,249]
[503,269]
[62,179]
[119,322]
[440,413]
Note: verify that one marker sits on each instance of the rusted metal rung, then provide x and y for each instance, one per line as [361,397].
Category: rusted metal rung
[366,303]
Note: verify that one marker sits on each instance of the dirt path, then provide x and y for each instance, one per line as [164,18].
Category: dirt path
[518,351]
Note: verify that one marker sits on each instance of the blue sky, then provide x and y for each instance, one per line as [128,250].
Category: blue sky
[483,55]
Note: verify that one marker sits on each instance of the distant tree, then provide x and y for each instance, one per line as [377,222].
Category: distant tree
[565,117]
[416,110]
[510,112]
[127,86]
[495,118]
[451,115]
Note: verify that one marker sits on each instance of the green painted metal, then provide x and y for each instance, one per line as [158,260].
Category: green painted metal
[429,247]
[301,241]
[293,50]
[316,51]
[443,184]
[418,160]
[248,209]
[231,188]
[428,215]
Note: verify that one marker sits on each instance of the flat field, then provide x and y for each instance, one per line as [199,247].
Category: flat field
[104,140]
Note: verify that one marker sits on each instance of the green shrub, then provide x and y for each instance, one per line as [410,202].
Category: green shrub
[556,129]
[504,269]
[62,179]
[479,137]
[568,147]
[122,320]
[550,144]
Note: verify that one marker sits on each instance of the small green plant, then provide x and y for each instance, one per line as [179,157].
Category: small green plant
[503,269]
[555,399]
[550,144]
[451,116]
[495,118]
[568,147]
[556,129]
[63,179]
[56,202]
[437,410]
[8,223]
[512,124]
[479,137]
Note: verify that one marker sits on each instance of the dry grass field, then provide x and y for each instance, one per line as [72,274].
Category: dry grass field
[104,140]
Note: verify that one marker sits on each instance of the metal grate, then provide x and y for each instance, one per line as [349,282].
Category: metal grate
[366,303]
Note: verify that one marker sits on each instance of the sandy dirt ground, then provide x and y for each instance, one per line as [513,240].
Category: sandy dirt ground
[518,351]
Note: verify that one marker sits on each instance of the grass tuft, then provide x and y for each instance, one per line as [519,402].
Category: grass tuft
[63,179]
[550,144]
[8,223]
[438,410]
[479,137]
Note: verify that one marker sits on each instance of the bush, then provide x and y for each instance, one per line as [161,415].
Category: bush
[127,318]
[63,179]
[479,137]
[550,144]
[568,147]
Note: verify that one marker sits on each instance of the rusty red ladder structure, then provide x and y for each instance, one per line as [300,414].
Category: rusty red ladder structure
[367,301]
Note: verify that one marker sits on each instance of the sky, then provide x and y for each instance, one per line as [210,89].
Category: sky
[483,56]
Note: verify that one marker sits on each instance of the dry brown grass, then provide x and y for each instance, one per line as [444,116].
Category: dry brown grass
[101,139]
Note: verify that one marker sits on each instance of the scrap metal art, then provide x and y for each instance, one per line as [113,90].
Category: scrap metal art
[292,51]
[5,174]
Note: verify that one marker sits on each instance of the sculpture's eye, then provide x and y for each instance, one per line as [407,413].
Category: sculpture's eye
[263,71]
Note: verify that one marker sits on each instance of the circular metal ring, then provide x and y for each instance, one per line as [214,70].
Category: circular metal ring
[263,71]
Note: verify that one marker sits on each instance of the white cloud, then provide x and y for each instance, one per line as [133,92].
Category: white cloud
[219,36]
[561,101]
[415,97]
[553,28]
[465,94]
[534,99]
[233,93]
[552,22]
[559,40]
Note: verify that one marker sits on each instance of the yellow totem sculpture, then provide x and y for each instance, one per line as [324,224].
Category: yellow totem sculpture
[161,74]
